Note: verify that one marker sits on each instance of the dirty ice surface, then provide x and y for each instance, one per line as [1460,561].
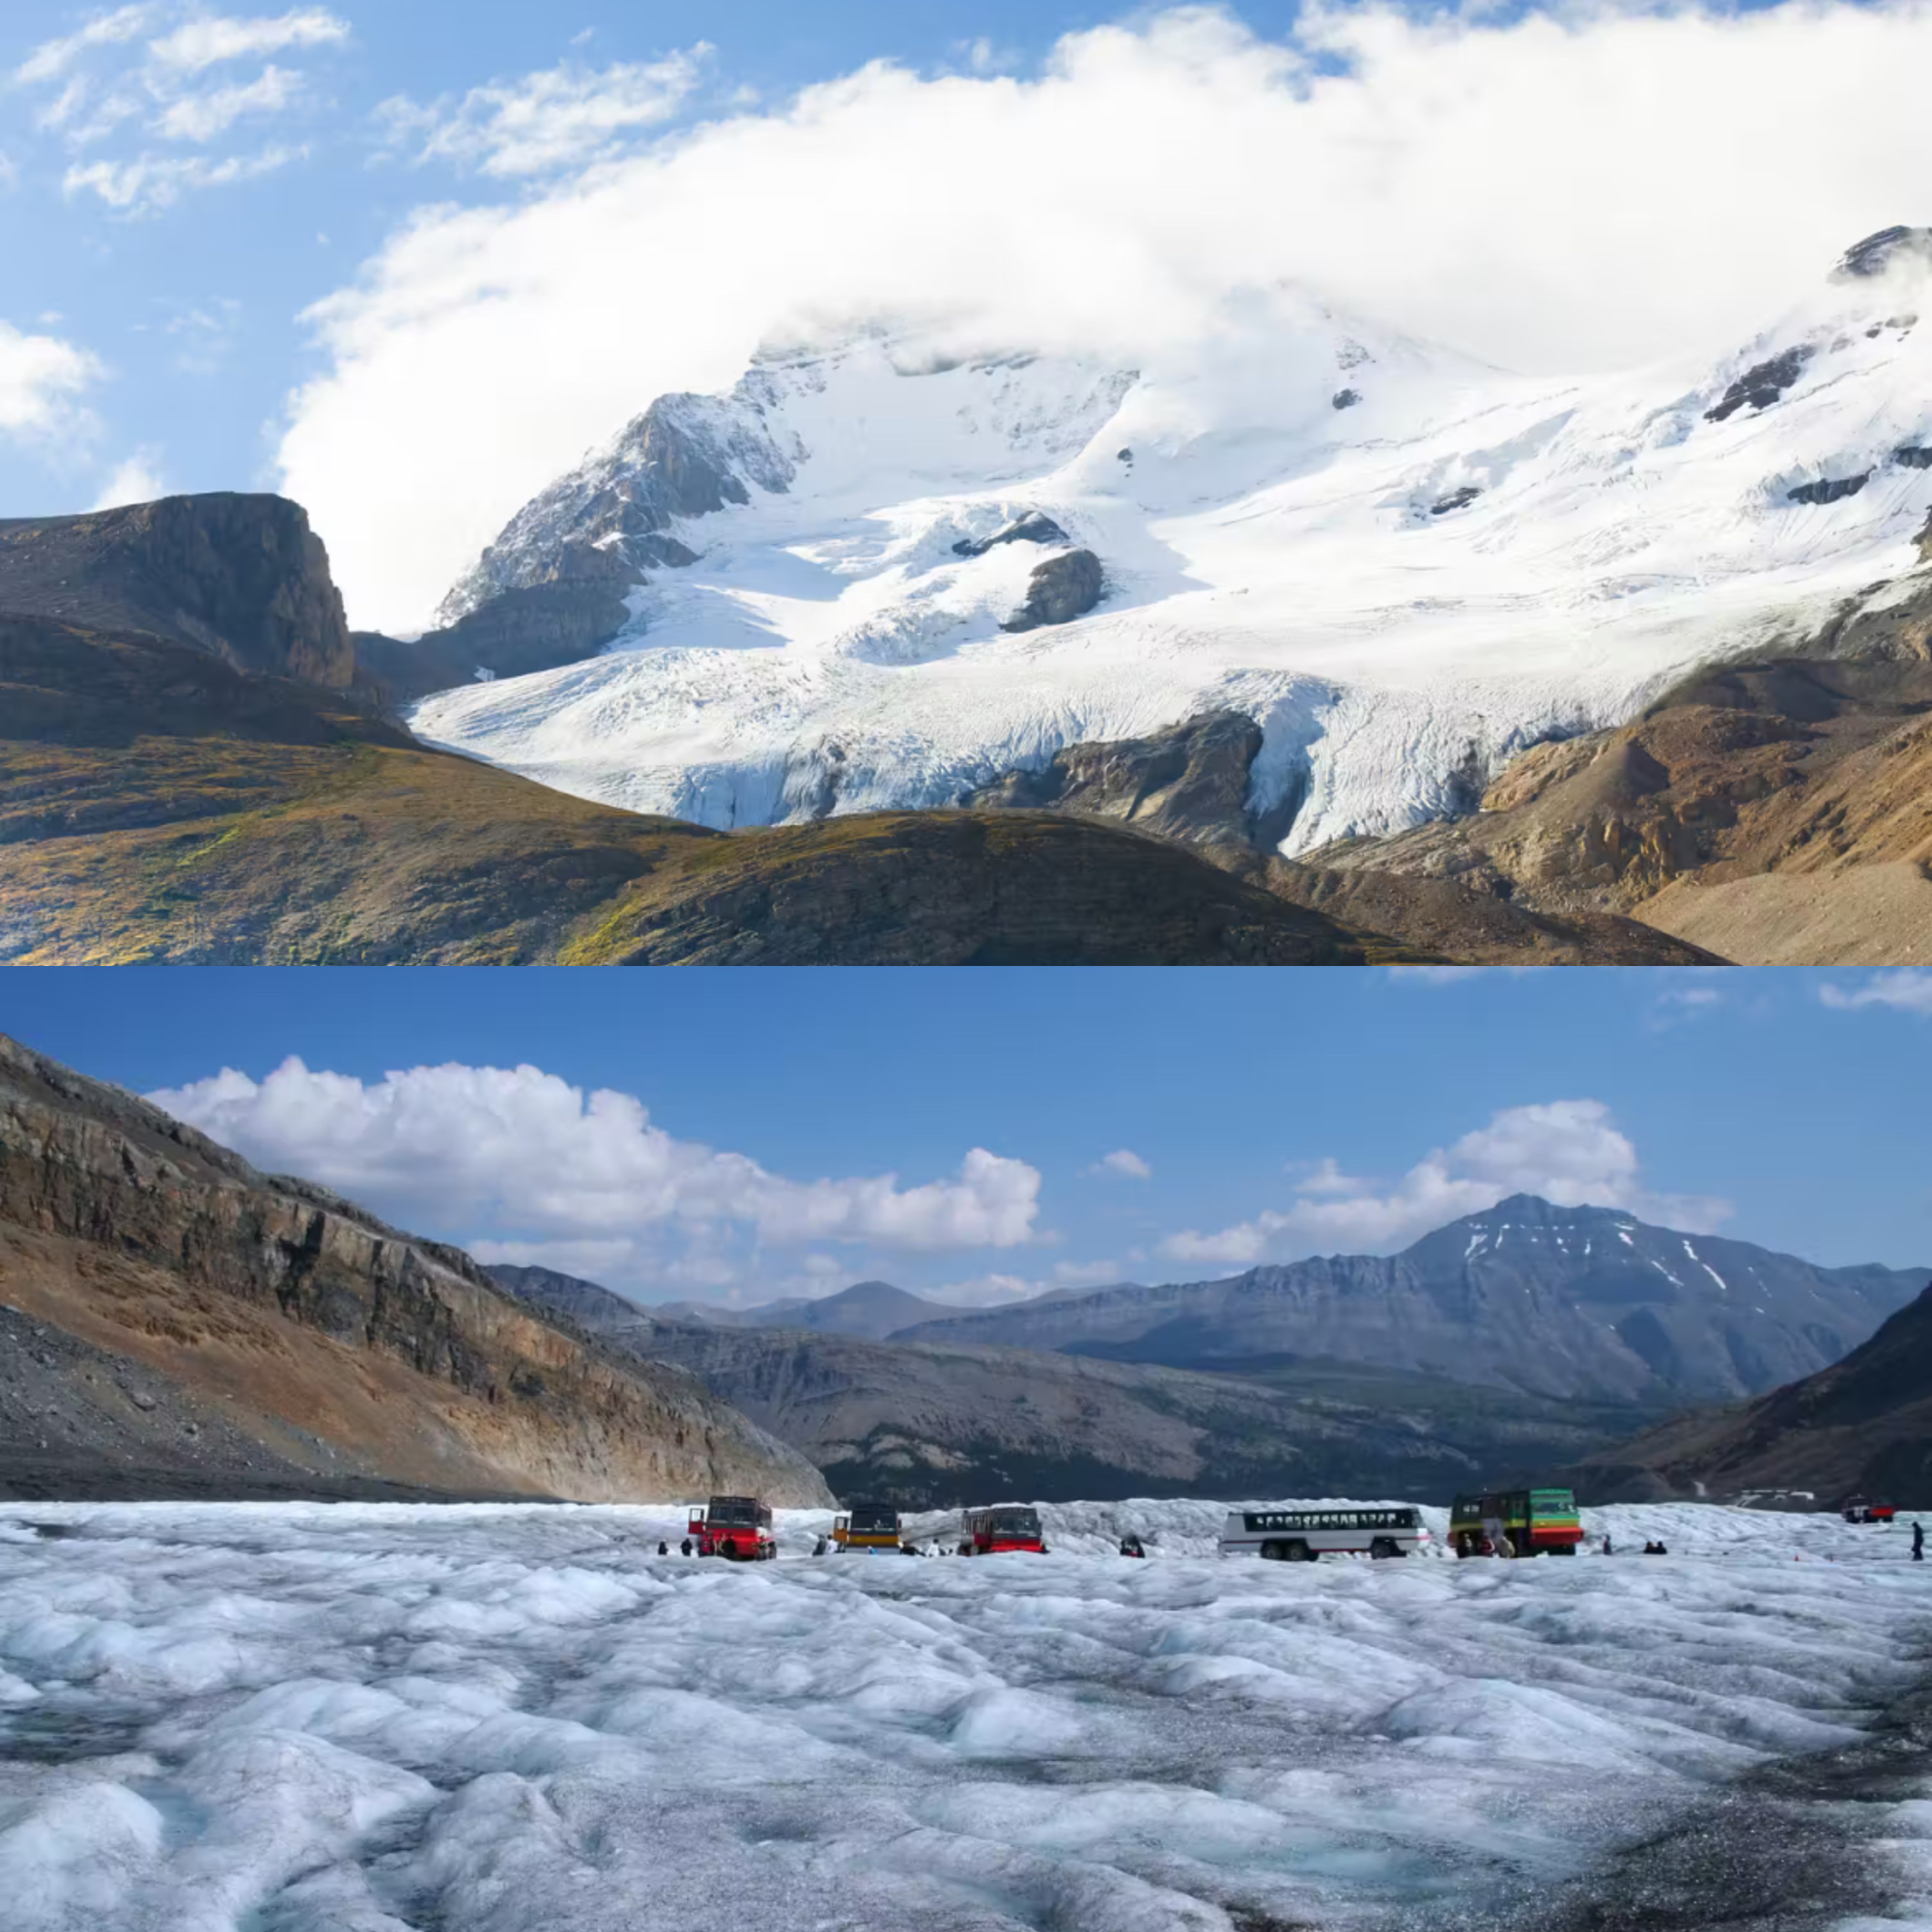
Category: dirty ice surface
[285,1717]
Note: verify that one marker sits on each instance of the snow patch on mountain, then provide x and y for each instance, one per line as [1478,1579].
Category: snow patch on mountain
[1404,592]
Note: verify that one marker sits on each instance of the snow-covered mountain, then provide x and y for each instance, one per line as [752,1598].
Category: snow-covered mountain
[1404,565]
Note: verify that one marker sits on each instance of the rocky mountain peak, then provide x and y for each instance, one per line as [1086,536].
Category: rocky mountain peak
[1878,254]
[242,578]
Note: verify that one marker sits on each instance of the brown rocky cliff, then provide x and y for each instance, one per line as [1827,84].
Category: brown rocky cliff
[242,578]
[299,1311]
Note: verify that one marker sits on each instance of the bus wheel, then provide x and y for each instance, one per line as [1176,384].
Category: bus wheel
[1300,1553]
[1383,1546]
[1274,1552]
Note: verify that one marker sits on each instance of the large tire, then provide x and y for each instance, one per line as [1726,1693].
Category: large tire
[1300,1553]
[1383,1546]
[1274,1552]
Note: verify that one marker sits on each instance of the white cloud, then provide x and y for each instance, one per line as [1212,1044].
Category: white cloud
[1085,1274]
[1114,201]
[1122,1161]
[1682,1005]
[151,183]
[561,117]
[208,39]
[10,173]
[136,479]
[520,1153]
[53,58]
[1566,1151]
[985,1290]
[1907,988]
[41,381]
[201,117]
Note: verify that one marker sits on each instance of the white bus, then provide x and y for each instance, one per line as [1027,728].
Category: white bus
[1301,1535]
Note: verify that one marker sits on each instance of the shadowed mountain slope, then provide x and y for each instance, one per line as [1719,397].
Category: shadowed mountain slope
[1862,1425]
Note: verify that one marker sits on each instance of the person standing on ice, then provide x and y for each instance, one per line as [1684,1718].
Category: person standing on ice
[1919,1543]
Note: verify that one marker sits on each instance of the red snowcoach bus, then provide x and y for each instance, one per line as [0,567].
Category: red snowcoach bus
[988,1532]
[737,1527]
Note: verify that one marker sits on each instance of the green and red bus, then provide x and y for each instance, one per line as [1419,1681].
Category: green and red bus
[1516,1523]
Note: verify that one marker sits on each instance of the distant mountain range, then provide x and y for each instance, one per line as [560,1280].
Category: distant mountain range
[936,1425]
[1484,1349]
[1552,1301]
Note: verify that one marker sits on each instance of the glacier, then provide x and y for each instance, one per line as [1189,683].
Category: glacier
[371,1717]
[1404,565]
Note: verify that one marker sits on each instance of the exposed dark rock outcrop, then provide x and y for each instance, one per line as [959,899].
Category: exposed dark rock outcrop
[1914,455]
[1761,384]
[1877,253]
[1455,499]
[1345,399]
[242,578]
[516,632]
[1061,590]
[1190,783]
[1829,489]
[1035,527]
[332,1340]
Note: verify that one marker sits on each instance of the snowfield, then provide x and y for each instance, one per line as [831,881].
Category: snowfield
[1406,566]
[509,1718]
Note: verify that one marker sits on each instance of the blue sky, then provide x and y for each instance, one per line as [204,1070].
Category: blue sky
[185,182]
[1732,1100]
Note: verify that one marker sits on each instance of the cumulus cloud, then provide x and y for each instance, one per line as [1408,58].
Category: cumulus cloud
[136,479]
[1568,1151]
[514,1152]
[42,379]
[561,117]
[1908,989]
[1122,1161]
[1115,201]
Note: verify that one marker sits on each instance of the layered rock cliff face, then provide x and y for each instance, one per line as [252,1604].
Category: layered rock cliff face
[242,578]
[333,1340]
